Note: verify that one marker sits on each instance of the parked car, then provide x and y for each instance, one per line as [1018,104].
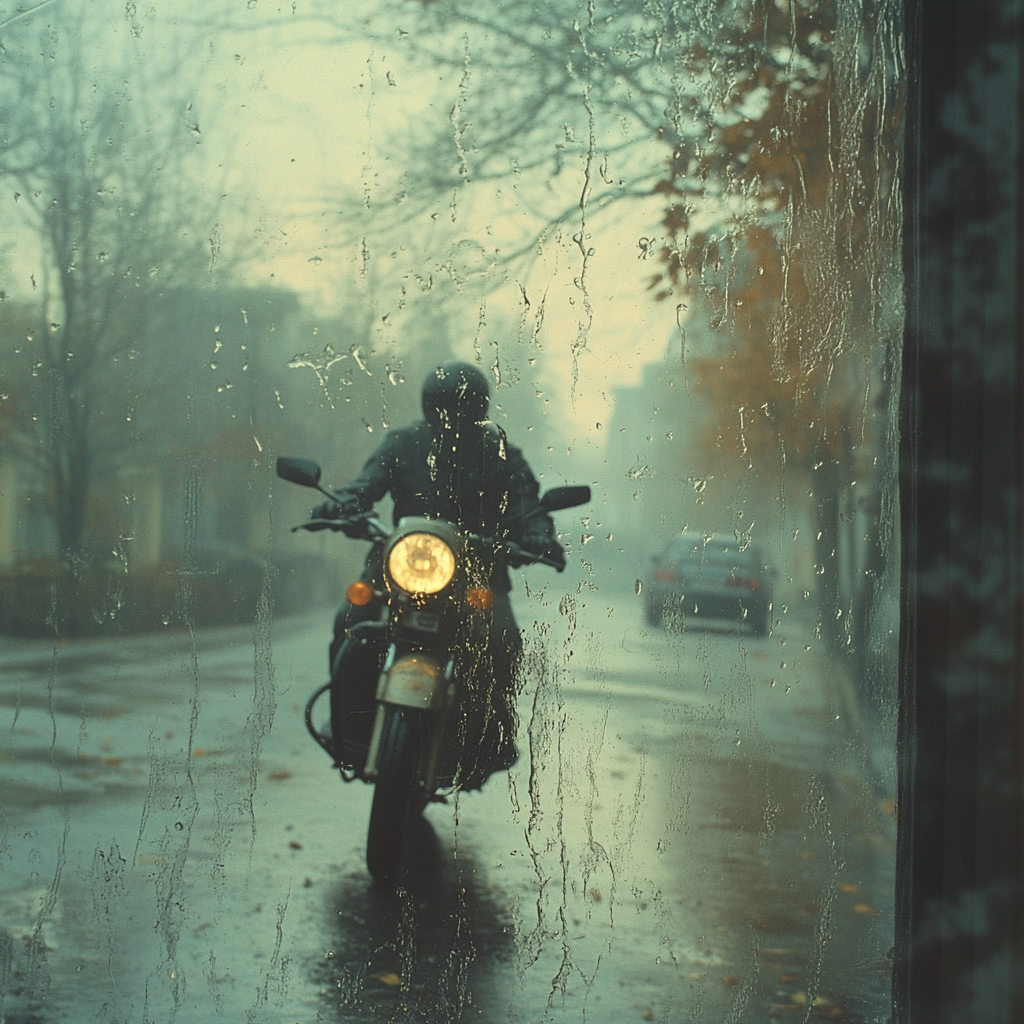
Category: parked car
[711,577]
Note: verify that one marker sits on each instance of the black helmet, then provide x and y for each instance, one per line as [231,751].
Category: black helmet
[454,394]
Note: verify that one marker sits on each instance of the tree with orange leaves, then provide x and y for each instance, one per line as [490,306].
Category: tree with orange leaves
[797,271]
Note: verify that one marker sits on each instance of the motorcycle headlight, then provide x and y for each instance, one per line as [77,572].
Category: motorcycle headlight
[421,563]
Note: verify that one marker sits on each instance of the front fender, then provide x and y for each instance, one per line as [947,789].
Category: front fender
[414,681]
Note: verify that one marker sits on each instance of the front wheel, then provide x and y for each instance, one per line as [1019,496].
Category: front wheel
[397,796]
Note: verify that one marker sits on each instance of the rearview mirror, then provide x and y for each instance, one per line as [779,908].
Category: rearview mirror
[565,497]
[299,471]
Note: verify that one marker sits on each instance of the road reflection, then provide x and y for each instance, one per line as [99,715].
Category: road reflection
[423,952]
[690,834]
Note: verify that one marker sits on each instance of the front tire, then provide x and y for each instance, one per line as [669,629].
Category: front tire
[397,796]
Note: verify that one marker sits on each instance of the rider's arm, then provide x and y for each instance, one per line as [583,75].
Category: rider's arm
[373,480]
[532,528]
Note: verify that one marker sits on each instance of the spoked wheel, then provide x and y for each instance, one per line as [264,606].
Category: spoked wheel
[397,798]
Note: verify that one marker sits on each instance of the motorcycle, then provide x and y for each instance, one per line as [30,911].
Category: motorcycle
[409,737]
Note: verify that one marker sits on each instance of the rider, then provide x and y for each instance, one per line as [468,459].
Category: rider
[457,465]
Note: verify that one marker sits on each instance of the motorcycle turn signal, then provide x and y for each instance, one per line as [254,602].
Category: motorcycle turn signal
[480,598]
[359,593]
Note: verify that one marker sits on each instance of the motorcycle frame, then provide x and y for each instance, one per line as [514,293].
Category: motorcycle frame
[419,670]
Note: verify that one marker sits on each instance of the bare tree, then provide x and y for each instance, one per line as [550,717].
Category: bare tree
[103,199]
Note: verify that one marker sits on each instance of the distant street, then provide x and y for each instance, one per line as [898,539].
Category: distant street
[690,834]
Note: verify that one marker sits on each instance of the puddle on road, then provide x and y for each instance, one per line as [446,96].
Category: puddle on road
[419,953]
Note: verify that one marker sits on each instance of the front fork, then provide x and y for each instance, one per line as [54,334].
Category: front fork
[415,680]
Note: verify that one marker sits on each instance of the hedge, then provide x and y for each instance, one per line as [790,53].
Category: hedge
[44,598]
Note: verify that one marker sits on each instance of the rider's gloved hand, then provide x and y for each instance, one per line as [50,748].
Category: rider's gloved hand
[554,552]
[334,510]
[326,510]
[547,548]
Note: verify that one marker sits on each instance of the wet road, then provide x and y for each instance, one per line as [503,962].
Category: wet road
[690,835]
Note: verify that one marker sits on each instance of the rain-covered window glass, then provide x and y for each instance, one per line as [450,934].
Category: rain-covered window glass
[623,751]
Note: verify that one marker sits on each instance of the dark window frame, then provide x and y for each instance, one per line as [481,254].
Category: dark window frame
[959,955]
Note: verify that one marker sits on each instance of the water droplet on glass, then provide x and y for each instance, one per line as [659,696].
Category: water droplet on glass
[639,586]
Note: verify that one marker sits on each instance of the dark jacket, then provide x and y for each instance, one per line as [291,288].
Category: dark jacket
[477,480]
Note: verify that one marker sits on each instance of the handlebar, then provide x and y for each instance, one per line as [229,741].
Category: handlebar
[513,553]
[369,527]
[361,527]
[520,556]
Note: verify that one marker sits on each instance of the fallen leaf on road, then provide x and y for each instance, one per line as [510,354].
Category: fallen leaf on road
[595,895]
[390,979]
[648,1015]
[281,773]
[731,980]
[824,1006]
[295,845]
[199,752]
[831,1012]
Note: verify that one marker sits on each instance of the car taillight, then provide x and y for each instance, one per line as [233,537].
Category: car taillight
[740,581]
[666,575]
